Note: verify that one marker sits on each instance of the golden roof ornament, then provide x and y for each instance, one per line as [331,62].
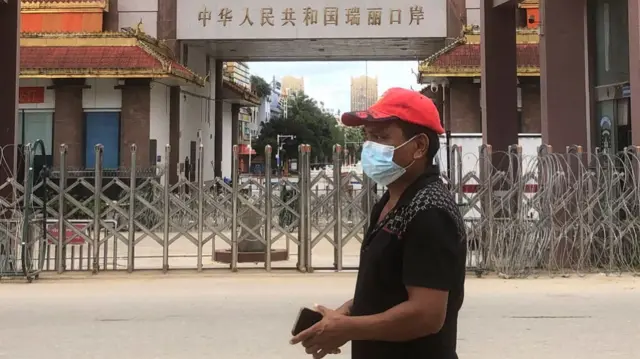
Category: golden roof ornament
[140,28]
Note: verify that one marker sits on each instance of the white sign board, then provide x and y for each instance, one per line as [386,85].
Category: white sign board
[320,19]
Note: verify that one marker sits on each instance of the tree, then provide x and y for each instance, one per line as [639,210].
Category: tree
[353,140]
[305,120]
[260,86]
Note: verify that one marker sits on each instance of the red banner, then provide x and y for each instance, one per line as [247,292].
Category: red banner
[31,95]
[71,237]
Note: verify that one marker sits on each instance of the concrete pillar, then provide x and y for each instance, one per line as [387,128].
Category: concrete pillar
[564,76]
[175,101]
[167,21]
[499,76]
[499,92]
[217,167]
[135,121]
[634,69]
[68,120]
[166,30]
[235,124]
[9,67]
[235,128]
[111,17]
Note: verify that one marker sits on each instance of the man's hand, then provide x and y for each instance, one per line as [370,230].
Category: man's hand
[345,309]
[325,337]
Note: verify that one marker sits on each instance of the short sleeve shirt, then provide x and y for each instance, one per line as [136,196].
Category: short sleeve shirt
[420,243]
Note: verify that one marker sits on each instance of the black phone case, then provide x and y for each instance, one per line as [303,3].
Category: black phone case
[306,319]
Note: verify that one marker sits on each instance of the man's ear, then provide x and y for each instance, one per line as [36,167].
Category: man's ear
[423,147]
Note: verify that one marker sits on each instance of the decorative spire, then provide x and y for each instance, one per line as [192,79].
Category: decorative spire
[140,28]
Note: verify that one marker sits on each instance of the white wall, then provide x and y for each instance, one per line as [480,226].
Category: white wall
[473,12]
[102,95]
[470,144]
[197,113]
[159,114]
[130,12]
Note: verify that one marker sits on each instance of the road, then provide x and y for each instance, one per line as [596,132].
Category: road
[248,315]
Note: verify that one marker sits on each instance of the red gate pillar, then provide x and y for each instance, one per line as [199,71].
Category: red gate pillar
[499,98]
[564,84]
[9,68]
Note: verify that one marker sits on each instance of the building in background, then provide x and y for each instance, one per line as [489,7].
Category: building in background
[237,72]
[364,92]
[613,74]
[453,75]
[588,60]
[529,14]
[103,85]
[261,114]
[292,84]
[275,107]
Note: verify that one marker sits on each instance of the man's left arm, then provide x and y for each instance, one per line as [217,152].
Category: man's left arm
[429,266]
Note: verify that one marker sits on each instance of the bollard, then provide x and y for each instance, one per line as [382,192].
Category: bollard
[167,213]
[268,208]
[96,208]
[60,248]
[132,211]
[234,210]
[307,185]
[302,243]
[200,162]
[337,207]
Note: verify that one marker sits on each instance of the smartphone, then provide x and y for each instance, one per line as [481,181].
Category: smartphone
[306,319]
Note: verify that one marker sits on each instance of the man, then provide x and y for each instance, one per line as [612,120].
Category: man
[410,283]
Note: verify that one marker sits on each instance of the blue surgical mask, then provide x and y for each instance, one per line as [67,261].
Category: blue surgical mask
[377,162]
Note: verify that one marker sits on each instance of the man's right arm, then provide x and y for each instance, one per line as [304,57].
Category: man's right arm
[345,309]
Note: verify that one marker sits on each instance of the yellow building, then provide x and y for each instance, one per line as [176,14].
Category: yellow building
[364,92]
[291,85]
[238,72]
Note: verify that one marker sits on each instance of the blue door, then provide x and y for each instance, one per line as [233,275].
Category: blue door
[103,128]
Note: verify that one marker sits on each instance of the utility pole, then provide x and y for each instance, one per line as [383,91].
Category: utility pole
[279,138]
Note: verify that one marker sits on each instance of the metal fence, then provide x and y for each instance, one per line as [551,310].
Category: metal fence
[571,212]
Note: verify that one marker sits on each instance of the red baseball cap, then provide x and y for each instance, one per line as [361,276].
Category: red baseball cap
[406,105]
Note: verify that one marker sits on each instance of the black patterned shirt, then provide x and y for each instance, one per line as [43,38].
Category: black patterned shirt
[420,243]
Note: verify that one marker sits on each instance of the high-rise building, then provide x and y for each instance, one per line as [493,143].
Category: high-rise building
[237,72]
[291,84]
[364,92]
[276,95]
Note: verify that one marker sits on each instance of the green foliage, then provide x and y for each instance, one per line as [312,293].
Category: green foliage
[260,86]
[353,139]
[309,123]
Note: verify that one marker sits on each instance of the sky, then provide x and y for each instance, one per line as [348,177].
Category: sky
[330,82]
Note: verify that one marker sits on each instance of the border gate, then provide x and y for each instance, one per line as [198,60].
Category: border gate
[571,212]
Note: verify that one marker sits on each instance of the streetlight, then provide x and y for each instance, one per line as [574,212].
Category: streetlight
[279,138]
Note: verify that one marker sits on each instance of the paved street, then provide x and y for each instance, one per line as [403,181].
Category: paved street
[226,316]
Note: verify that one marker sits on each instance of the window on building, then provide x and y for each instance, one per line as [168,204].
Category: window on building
[520,118]
[102,128]
[185,55]
[208,68]
[607,36]
[191,175]
[37,125]
[153,150]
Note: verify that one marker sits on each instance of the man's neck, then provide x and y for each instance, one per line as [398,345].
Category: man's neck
[397,188]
